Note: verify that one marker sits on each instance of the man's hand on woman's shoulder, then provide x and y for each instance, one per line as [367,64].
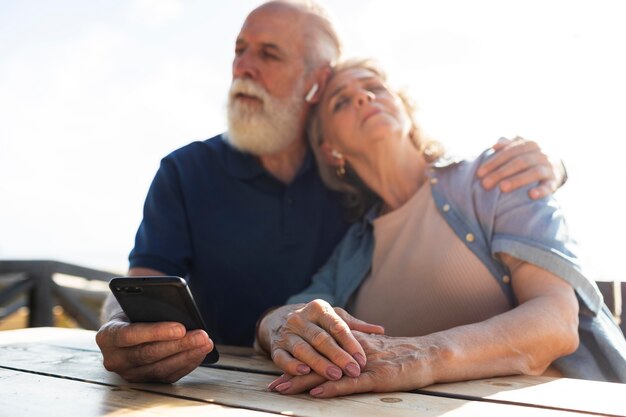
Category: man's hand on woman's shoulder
[519,162]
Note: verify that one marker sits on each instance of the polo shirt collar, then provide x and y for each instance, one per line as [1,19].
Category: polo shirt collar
[308,163]
[244,165]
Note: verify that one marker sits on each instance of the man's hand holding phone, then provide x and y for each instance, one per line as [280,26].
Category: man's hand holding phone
[151,352]
[156,346]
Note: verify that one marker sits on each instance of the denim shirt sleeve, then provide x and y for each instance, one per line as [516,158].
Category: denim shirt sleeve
[491,222]
[534,231]
[323,283]
[348,266]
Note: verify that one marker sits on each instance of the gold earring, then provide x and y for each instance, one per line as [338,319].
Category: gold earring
[341,169]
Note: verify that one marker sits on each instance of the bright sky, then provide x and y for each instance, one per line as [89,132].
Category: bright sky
[94,94]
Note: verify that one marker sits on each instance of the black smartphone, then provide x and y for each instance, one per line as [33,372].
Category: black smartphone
[155,299]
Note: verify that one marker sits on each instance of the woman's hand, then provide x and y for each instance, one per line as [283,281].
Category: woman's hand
[393,364]
[520,162]
[314,336]
[524,340]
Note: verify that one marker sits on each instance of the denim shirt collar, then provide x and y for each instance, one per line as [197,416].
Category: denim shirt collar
[446,161]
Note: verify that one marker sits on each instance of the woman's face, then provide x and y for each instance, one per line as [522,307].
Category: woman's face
[358,109]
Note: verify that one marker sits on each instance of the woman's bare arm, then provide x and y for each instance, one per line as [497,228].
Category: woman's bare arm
[524,340]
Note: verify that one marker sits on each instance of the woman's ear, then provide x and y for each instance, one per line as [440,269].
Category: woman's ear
[331,155]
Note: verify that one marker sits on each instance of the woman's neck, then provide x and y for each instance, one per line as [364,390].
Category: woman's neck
[395,174]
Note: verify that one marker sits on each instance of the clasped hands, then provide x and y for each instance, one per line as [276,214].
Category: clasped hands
[326,351]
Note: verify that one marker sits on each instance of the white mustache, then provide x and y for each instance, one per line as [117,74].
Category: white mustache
[247,87]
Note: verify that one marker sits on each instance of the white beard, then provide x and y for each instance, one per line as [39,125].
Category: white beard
[268,128]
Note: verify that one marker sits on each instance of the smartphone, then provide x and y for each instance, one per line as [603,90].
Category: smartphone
[155,299]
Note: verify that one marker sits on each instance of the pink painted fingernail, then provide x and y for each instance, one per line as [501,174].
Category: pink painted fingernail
[303,369]
[353,370]
[277,381]
[272,385]
[283,387]
[333,372]
[360,359]
[316,391]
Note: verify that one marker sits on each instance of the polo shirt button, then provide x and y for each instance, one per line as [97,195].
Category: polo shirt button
[289,200]
[434,181]
[469,237]
[506,279]
[446,207]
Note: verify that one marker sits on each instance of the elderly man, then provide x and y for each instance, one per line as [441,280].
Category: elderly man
[244,216]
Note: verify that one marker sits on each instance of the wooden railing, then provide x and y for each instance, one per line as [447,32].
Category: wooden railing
[31,283]
[34,278]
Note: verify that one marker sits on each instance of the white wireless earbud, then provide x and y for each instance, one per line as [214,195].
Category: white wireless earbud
[311,93]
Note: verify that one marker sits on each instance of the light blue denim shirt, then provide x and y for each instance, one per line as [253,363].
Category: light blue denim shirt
[489,221]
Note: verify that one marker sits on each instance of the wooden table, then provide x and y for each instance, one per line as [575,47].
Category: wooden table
[59,372]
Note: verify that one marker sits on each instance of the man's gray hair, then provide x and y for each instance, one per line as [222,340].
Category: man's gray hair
[322,42]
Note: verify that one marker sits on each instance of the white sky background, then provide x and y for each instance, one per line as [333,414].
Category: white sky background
[94,94]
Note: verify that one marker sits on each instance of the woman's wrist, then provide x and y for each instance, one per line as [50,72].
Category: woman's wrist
[430,360]
[260,344]
[269,323]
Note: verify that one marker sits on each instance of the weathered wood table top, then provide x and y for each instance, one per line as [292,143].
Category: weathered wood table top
[59,372]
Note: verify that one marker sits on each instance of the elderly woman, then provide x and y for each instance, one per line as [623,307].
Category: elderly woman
[466,282]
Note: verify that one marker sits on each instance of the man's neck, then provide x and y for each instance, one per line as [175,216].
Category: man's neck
[284,165]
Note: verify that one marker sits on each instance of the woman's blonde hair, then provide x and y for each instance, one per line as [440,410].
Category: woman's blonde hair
[357,196]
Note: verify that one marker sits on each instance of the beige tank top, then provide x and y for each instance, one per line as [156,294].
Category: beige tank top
[423,278]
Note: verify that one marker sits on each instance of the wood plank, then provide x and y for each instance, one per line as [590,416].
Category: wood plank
[565,393]
[28,395]
[246,358]
[230,356]
[540,391]
[247,390]
[58,336]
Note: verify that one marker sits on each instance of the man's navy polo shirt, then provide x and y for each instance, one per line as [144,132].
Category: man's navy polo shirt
[244,240]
